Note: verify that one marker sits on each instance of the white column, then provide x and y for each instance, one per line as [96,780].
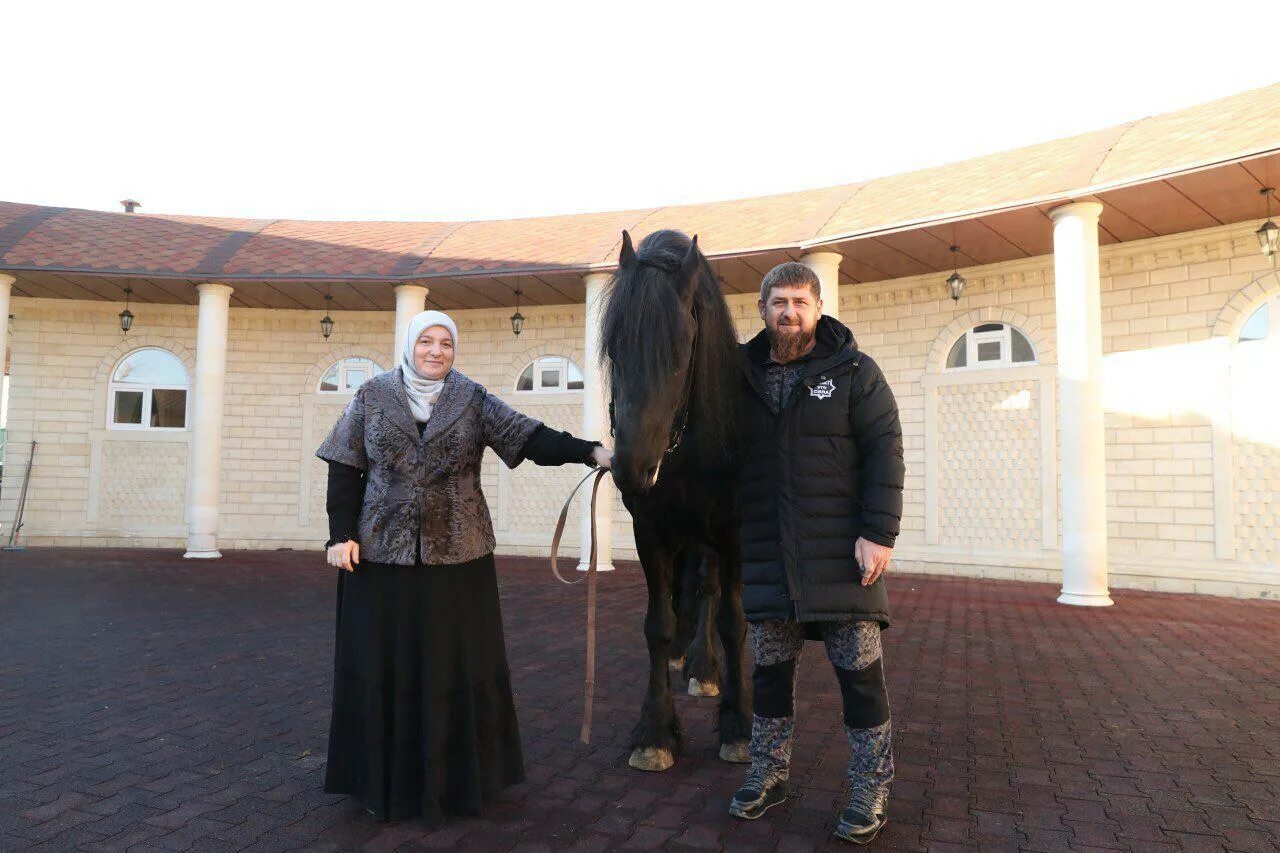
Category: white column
[1077,298]
[6,289]
[827,267]
[410,299]
[206,423]
[595,427]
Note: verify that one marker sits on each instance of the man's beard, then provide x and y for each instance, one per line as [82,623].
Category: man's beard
[790,345]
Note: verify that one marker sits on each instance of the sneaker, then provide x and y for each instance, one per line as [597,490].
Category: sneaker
[758,794]
[857,828]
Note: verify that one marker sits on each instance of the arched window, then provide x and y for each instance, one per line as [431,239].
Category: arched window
[990,345]
[550,374]
[345,376]
[1263,323]
[148,390]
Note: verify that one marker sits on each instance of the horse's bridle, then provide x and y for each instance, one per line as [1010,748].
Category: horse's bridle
[681,421]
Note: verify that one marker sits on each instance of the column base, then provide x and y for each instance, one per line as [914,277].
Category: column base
[602,567]
[1086,599]
[202,555]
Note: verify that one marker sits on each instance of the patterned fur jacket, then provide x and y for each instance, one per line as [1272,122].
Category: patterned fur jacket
[422,492]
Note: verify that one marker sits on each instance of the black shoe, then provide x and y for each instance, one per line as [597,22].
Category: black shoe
[757,795]
[855,827]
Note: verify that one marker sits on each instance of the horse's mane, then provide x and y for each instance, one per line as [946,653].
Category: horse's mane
[643,324]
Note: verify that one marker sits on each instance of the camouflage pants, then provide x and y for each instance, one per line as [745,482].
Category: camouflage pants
[854,651]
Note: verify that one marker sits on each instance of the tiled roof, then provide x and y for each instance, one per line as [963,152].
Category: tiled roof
[59,239]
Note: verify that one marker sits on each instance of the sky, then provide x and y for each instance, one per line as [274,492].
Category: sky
[474,110]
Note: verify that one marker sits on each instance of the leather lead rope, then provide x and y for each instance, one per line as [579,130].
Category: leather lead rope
[589,682]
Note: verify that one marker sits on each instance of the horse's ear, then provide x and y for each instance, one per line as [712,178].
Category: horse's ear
[689,270]
[627,257]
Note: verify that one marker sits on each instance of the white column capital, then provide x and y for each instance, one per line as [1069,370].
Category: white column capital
[411,288]
[821,256]
[7,281]
[1087,210]
[215,289]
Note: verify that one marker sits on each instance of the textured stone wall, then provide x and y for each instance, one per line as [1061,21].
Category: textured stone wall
[989,460]
[143,484]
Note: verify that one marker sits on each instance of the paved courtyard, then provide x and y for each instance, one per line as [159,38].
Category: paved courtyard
[151,703]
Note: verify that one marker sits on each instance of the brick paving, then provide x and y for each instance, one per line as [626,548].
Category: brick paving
[151,703]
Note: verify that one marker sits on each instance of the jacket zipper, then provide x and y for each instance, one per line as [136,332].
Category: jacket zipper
[791,425]
[789,567]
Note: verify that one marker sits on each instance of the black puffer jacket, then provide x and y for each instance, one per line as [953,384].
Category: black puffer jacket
[823,472]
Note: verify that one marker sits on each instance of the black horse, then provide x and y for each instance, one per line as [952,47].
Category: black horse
[672,353]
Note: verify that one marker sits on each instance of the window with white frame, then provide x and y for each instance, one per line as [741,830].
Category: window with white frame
[346,376]
[550,374]
[148,391]
[990,345]
[1263,323]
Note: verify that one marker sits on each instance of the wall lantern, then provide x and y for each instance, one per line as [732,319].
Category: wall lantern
[1268,234]
[326,322]
[517,319]
[956,282]
[126,316]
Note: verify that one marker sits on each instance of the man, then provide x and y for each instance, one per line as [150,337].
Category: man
[821,504]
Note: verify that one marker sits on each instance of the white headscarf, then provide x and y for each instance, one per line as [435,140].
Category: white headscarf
[421,390]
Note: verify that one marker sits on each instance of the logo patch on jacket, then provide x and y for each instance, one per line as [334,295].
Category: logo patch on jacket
[823,390]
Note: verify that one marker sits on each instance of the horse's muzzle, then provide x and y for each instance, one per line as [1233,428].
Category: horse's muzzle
[634,476]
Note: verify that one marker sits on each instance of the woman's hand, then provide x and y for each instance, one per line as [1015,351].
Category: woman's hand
[603,457]
[344,555]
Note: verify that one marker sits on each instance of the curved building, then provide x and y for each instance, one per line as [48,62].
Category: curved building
[1096,407]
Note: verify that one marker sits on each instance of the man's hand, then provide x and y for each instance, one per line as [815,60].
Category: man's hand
[873,559]
[344,555]
[603,457]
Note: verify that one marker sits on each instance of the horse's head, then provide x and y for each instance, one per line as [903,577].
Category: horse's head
[649,336]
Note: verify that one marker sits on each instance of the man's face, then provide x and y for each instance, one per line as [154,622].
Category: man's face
[791,318]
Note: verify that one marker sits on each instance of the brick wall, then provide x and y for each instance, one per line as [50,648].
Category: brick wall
[94,486]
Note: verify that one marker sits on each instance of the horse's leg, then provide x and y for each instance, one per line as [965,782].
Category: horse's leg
[735,698]
[703,670]
[656,736]
[684,588]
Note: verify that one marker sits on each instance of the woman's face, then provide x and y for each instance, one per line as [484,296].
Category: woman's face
[433,352]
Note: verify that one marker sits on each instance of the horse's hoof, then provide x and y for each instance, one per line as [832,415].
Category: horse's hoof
[676,663]
[735,753]
[651,758]
[703,688]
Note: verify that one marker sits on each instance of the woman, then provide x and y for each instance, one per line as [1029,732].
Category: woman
[423,718]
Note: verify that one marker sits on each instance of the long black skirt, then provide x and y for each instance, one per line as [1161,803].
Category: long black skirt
[423,718]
